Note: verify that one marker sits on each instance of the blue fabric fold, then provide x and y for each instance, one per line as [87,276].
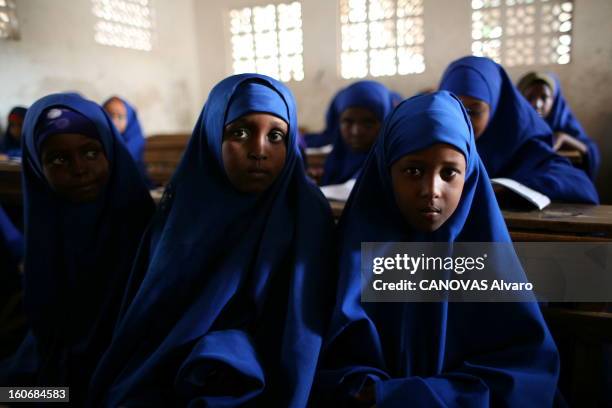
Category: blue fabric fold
[517,143]
[430,354]
[561,118]
[216,260]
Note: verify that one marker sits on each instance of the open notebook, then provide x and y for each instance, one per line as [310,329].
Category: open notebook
[338,192]
[534,198]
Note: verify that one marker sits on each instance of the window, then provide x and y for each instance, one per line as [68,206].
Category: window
[268,40]
[124,23]
[381,37]
[9,30]
[522,32]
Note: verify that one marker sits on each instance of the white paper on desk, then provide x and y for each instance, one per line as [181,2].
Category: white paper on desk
[319,150]
[338,192]
[534,197]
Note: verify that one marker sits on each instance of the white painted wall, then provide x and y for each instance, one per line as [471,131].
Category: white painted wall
[57,52]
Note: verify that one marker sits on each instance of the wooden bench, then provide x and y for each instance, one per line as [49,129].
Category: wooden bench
[162,155]
[10,183]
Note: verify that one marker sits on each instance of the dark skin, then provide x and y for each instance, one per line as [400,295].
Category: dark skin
[479,112]
[75,166]
[254,151]
[428,184]
[359,128]
[14,128]
[541,97]
[118,113]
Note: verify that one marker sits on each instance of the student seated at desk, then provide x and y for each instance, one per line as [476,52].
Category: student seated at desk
[86,208]
[425,182]
[10,145]
[512,140]
[126,121]
[229,296]
[543,92]
[361,109]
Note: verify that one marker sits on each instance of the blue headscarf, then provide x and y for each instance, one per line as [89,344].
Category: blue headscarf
[133,136]
[12,320]
[561,118]
[229,298]
[343,164]
[517,143]
[431,354]
[78,256]
[8,145]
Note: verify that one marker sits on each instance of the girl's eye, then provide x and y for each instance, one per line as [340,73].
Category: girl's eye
[58,160]
[240,134]
[91,154]
[413,171]
[448,174]
[276,137]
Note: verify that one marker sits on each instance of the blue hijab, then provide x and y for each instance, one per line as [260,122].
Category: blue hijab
[132,136]
[517,143]
[229,298]
[431,354]
[343,164]
[561,118]
[8,145]
[78,256]
[11,311]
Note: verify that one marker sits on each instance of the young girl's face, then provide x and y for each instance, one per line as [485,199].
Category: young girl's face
[118,113]
[479,112]
[254,151]
[359,128]
[428,184]
[540,96]
[14,128]
[75,166]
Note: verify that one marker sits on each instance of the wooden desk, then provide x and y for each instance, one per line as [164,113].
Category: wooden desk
[557,223]
[10,183]
[561,222]
[162,154]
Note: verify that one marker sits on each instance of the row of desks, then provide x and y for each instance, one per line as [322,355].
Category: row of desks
[557,222]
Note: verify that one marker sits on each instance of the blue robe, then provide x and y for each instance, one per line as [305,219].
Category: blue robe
[231,292]
[430,354]
[516,143]
[561,118]
[343,164]
[78,256]
[8,145]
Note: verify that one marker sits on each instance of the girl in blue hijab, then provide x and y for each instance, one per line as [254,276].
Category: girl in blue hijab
[229,298]
[360,110]
[424,182]
[86,208]
[126,121]
[513,141]
[11,142]
[543,91]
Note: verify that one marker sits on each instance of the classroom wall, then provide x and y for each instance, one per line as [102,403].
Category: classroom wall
[448,36]
[57,52]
